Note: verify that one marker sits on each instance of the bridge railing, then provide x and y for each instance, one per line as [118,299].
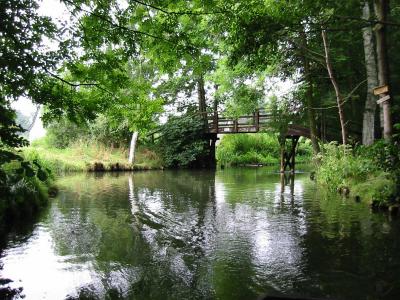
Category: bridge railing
[244,124]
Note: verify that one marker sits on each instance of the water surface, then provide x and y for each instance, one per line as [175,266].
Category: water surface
[230,234]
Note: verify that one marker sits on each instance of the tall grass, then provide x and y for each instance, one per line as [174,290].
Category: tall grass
[259,148]
[343,168]
[85,156]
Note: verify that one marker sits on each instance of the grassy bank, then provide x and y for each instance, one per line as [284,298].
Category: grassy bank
[362,173]
[259,148]
[85,156]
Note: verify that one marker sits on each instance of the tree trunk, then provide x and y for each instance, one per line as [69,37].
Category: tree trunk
[381,11]
[132,148]
[339,98]
[368,130]
[309,97]
[215,109]
[311,114]
[29,129]
[201,95]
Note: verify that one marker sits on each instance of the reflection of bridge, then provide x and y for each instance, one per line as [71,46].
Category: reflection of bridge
[258,121]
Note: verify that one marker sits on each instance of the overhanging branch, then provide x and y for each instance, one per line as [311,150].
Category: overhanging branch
[177,12]
[72,84]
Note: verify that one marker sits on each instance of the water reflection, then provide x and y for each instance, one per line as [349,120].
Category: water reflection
[234,234]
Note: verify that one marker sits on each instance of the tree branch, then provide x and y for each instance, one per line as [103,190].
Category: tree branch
[177,12]
[112,23]
[77,84]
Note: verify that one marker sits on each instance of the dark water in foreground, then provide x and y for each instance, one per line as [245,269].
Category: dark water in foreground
[233,234]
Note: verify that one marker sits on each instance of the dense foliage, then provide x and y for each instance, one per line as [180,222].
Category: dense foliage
[182,142]
[64,133]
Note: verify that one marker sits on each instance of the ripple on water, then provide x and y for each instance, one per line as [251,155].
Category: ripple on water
[234,234]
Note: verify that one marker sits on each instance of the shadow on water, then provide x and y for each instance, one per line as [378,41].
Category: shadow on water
[230,234]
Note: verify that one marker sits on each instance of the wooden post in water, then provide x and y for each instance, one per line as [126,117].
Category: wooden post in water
[282,141]
[295,140]
[288,159]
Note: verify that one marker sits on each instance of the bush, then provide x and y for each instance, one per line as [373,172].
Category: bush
[183,143]
[357,170]
[63,133]
[23,187]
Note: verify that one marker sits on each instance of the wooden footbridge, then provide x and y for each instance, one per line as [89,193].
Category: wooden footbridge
[254,123]
[258,121]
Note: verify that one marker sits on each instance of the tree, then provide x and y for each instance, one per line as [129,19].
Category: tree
[381,11]
[339,97]
[368,133]
[23,62]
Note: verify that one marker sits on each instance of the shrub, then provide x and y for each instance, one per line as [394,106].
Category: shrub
[63,133]
[356,169]
[23,186]
[183,143]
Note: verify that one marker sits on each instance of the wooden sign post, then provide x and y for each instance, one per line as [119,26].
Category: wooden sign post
[383,99]
[383,92]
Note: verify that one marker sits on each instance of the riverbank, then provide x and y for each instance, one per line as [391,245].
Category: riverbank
[366,174]
[91,157]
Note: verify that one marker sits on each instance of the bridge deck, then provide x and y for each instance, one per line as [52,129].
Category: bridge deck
[250,124]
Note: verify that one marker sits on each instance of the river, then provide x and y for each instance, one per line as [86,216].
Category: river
[229,234]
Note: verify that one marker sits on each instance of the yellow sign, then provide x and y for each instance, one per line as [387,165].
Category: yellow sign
[381,90]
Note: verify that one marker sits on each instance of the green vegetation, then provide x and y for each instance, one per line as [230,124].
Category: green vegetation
[260,148]
[364,172]
[82,146]
[89,156]
[113,69]
[24,188]
[182,142]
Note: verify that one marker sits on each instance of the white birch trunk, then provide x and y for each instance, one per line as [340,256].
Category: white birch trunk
[132,148]
[368,130]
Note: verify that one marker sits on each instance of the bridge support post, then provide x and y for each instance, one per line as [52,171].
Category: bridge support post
[288,158]
[282,143]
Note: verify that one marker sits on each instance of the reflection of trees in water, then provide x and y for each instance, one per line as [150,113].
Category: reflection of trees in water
[139,250]
[254,207]
[233,235]
[17,231]
[350,251]
[231,263]
[91,223]
[175,222]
